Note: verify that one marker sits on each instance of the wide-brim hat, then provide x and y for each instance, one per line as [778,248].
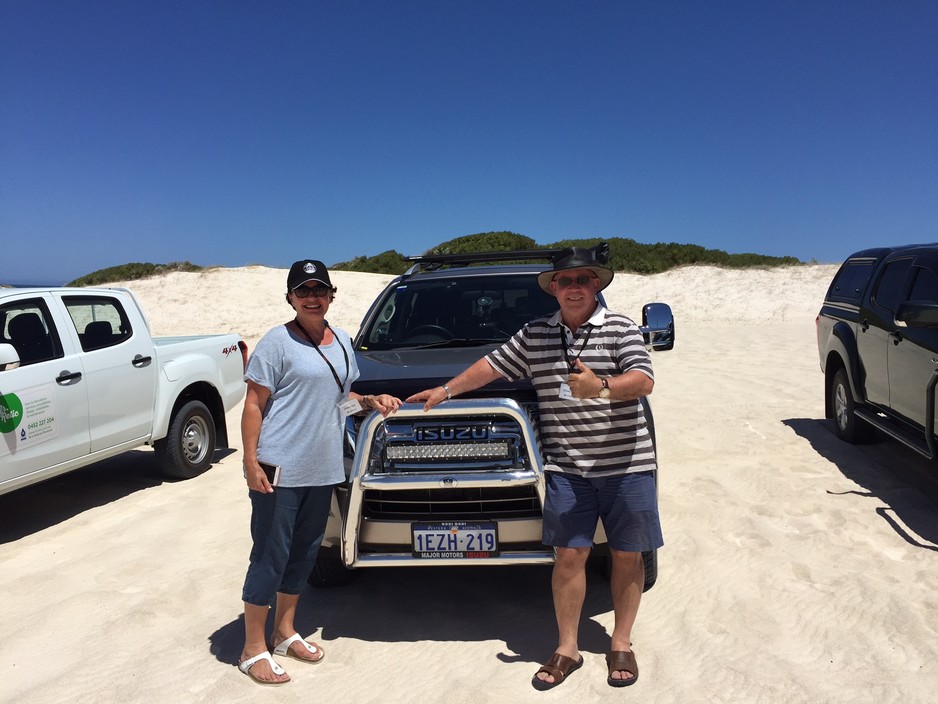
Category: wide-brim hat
[576,258]
[307,270]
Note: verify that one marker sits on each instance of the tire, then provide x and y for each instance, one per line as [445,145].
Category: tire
[847,426]
[650,558]
[651,569]
[330,572]
[189,446]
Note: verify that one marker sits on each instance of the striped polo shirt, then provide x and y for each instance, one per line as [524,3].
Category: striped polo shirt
[590,437]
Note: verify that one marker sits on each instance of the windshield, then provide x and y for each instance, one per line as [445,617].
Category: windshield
[461,311]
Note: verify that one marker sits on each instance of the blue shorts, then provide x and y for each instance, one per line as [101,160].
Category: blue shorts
[626,503]
[287,527]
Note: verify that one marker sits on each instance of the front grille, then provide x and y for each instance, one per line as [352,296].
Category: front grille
[484,442]
[482,503]
[533,413]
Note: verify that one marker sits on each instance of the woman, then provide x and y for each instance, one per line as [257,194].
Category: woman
[298,394]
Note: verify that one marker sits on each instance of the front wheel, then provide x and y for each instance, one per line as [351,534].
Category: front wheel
[188,447]
[603,563]
[847,425]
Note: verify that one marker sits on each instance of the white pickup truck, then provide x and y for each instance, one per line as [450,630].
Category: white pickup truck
[81,379]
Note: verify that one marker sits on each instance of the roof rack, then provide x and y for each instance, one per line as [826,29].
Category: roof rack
[429,262]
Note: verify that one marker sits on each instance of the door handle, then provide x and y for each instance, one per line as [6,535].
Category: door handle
[141,361]
[67,377]
[896,337]
[864,325]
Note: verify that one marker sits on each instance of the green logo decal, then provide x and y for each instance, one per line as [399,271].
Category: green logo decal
[11,412]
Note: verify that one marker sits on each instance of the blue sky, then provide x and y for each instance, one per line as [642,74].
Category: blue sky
[233,133]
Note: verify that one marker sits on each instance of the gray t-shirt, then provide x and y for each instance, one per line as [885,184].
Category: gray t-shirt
[302,426]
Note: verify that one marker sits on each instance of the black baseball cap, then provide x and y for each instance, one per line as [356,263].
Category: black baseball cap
[307,270]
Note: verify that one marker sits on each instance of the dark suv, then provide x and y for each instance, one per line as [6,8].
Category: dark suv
[877,337]
[462,483]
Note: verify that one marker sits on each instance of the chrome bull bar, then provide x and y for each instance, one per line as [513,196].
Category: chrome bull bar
[361,480]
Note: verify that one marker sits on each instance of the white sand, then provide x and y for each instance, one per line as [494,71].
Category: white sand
[796,568]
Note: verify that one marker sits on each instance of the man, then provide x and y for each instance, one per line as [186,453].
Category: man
[589,367]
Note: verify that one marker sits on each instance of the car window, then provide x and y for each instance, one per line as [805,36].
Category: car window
[100,322]
[850,282]
[28,326]
[924,285]
[889,287]
[469,309]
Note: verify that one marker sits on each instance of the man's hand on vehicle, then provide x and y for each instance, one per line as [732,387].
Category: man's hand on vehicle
[431,397]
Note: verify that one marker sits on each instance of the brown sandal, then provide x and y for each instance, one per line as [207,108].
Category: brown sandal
[621,660]
[559,667]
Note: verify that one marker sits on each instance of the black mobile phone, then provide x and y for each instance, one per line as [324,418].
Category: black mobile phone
[272,471]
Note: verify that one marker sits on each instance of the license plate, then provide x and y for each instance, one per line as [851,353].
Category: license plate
[466,541]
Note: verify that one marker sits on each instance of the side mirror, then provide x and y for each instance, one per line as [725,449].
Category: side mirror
[658,326]
[9,358]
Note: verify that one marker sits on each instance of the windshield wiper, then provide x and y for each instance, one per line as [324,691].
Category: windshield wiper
[460,342]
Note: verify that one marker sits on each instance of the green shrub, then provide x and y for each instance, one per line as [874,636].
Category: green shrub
[389,262]
[131,272]
[625,254]
[485,242]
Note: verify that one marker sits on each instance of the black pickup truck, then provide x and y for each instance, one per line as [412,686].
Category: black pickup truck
[877,337]
[462,483]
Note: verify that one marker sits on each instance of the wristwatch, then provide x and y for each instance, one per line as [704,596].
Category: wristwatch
[604,392]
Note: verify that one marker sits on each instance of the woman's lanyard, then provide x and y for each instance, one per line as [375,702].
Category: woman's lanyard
[335,374]
[571,361]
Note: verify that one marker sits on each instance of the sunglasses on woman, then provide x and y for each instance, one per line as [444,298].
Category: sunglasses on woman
[317,291]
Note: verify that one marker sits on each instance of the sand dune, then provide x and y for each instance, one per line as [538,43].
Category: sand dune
[796,568]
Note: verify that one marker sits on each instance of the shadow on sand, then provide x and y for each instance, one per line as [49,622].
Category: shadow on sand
[393,605]
[898,477]
[48,503]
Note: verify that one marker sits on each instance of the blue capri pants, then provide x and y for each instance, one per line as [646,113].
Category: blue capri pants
[287,527]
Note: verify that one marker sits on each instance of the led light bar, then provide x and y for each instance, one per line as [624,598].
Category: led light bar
[448,451]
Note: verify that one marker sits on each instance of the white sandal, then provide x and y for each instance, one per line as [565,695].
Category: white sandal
[284,649]
[246,665]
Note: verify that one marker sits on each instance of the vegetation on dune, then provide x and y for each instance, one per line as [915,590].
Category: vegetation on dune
[625,254]
[131,272]
[389,262]
[486,242]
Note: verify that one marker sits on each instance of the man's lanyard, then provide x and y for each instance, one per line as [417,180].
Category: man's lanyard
[566,349]
[335,374]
